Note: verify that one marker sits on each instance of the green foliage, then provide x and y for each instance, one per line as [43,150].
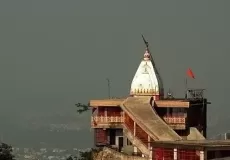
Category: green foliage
[85,155]
[82,108]
[6,152]
[88,155]
[71,158]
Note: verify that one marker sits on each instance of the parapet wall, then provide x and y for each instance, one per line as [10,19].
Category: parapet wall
[110,154]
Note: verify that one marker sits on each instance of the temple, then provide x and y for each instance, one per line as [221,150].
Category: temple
[155,126]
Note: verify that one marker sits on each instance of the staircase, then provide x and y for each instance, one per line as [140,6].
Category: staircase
[136,142]
[140,110]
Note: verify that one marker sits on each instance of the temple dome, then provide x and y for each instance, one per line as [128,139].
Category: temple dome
[146,81]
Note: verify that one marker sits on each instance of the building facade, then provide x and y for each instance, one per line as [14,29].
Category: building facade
[147,117]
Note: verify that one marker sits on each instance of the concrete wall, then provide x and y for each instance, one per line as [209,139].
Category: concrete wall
[110,154]
[197,116]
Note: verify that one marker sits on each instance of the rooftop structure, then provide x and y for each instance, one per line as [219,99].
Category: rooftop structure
[154,125]
[147,80]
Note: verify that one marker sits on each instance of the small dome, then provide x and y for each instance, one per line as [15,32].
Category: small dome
[147,55]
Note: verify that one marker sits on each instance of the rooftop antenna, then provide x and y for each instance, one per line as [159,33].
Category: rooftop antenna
[108,82]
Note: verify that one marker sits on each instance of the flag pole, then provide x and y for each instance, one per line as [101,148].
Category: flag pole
[191,75]
[186,87]
[186,83]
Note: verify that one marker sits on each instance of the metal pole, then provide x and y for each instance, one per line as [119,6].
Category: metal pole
[186,88]
[108,87]
[186,84]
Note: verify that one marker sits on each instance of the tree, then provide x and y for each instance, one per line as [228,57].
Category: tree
[6,152]
[72,158]
[89,155]
[85,155]
[82,108]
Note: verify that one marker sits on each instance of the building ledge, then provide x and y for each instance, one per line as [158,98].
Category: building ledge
[204,144]
[158,103]
[106,102]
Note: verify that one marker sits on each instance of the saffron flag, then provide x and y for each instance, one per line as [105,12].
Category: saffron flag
[190,73]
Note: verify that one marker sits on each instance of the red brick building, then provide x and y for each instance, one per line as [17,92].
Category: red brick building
[157,126]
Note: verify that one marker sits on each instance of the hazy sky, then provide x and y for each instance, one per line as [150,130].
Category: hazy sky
[55,53]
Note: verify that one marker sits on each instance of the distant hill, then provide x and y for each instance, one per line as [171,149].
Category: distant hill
[64,131]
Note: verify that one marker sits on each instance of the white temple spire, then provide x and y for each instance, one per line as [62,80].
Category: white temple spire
[147,81]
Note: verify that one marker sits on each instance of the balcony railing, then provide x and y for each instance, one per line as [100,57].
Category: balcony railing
[175,120]
[100,120]
[178,123]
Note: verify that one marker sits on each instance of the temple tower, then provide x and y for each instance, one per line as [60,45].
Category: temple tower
[147,80]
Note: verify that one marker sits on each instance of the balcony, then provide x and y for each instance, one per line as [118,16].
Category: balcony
[107,122]
[176,122]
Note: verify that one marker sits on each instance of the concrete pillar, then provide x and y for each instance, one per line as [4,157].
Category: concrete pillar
[151,153]
[201,155]
[134,130]
[135,150]
[106,111]
[124,140]
[174,154]
[134,134]
[149,142]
